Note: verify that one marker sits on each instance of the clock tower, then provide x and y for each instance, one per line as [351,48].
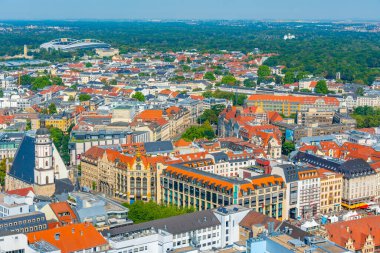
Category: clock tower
[44,168]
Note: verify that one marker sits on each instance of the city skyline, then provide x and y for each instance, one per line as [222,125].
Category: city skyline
[171,9]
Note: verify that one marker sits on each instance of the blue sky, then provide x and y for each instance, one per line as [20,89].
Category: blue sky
[190,9]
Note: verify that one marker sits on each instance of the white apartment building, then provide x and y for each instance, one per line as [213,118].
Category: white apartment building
[361,138]
[229,218]
[18,243]
[200,229]
[361,186]
[14,101]
[228,166]
[309,192]
[368,101]
[14,204]
[145,240]
[203,230]
[302,190]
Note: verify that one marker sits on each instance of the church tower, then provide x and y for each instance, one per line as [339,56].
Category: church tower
[44,169]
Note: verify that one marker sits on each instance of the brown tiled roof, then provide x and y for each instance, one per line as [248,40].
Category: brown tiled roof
[254,218]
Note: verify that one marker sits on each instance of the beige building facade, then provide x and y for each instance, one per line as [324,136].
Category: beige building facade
[331,191]
[122,177]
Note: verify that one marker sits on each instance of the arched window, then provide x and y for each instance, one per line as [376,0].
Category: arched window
[145,186]
[47,179]
[47,163]
[145,183]
[138,187]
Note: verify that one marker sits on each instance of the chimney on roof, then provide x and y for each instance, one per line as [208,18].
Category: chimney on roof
[73,230]
[81,233]
[348,229]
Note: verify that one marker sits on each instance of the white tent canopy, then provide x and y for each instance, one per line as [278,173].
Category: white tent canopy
[309,225]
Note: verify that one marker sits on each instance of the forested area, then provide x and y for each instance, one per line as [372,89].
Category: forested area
[319,49]
[366,116]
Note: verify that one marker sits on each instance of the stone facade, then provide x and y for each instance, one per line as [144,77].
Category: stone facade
[120,176]
[12,183]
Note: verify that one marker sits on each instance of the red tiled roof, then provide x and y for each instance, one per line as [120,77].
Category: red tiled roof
[274,117]
[196,97]
[7,119]
[182,143]
[52,89]
[114,156]
[357,230]
[63,212]
[165,92]
[294,99]
[172,110]
[70,238]
[192,156]
[312,148]
[150,115]
[21,192]
[367,130]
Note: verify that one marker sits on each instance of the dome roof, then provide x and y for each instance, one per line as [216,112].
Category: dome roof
[42,131]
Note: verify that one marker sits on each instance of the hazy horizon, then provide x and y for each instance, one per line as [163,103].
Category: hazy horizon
[125,10]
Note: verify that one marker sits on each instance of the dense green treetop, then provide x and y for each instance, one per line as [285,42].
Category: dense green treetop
[211,115]
[287,147]
[141,211]
[40,82]
[229,80]
[84,97]
[199,132]
[209,76]
[263,71]
[366,116]
[139,96]
[321,87]
[52,109]
[249,83]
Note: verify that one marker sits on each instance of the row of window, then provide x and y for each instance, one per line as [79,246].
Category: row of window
[10,224]
[137,249]
[30,229]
